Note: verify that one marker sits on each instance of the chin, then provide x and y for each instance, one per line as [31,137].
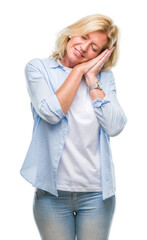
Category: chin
[75,60]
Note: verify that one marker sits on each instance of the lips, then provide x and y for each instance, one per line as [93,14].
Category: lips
[78,53]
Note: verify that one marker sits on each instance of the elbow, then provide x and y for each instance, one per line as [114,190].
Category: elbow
[113,132]
[46,115]
[51,120]
[49,117]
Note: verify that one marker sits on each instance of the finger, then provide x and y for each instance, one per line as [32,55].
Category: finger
[110,51]
[102,58]
[108,54]
[102,54]
[102,61]
[98,58]
[112,48]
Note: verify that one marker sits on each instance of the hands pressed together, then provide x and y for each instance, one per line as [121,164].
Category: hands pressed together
[89,69]
[92,67]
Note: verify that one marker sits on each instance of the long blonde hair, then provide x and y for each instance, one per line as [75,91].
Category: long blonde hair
[95,22]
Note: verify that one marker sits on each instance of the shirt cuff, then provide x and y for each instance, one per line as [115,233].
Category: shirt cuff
[99,102]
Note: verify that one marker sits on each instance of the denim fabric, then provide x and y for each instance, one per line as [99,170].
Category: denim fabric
[73,215]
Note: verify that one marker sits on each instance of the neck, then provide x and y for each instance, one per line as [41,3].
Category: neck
[66,62]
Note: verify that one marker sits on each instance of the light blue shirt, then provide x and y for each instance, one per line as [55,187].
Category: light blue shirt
[43,78]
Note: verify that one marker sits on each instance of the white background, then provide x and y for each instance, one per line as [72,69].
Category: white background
[27,31]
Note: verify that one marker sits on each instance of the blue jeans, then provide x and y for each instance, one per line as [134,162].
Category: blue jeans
[73,215]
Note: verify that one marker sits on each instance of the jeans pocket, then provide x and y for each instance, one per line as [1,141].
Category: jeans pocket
[40,193]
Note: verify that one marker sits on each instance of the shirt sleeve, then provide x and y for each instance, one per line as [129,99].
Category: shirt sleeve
[109,112]
[42,96]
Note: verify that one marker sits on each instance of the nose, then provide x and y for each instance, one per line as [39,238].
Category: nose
[84,46]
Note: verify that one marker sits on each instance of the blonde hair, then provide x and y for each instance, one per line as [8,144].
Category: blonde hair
[95,22]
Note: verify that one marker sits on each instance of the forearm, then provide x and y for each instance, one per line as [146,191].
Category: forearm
[110,114]
[106,106]
[97,93]
[68,89]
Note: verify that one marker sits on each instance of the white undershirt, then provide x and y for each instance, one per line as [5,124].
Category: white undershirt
[79,166]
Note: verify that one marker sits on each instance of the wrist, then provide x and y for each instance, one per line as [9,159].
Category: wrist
[79,69]
[90,80]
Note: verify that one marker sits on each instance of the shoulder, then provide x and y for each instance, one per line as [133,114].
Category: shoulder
[33,65]
[41,64]
[35,62]
[34,69]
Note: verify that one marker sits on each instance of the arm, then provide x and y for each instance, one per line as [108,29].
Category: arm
[108,110]
[41,94]
[50,106]
[68,89]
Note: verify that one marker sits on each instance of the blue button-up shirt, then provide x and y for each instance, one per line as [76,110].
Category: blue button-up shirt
[43,78]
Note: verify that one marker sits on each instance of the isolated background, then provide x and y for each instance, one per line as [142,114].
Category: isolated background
[28,30]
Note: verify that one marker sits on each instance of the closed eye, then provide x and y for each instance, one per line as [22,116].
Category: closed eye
[83,37]
[95,50]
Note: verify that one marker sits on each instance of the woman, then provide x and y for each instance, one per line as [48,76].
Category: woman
[75,111]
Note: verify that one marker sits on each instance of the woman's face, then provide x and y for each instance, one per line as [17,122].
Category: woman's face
[83,48]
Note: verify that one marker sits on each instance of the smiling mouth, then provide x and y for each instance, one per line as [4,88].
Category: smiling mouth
[78,53]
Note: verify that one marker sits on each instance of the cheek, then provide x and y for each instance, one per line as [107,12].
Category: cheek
[69,46]
[92,55]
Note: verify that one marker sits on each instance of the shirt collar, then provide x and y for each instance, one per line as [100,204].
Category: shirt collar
[56,63]
[53,63]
